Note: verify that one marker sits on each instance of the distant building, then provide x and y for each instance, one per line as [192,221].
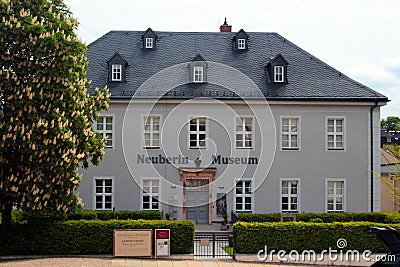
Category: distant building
[204,123]
[390,182]
[390,137]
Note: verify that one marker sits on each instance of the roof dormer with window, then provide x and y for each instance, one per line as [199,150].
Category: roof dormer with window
[241,41]
[149,38]
[277,69]
[198,70]
[116,68]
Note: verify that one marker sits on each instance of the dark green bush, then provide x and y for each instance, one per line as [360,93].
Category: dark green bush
[378,217]
[85,237]
[252,237]
[117,215]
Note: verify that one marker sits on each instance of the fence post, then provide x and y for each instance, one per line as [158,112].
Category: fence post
[213,249]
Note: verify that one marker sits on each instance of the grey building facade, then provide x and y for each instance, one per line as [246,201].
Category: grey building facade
[202,124]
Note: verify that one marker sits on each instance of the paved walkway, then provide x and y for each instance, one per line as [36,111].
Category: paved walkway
[110,262]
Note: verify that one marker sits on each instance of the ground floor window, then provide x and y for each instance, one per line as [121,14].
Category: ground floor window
[150,193]
[243,196]
[335,195]
[104,193]
[290,195]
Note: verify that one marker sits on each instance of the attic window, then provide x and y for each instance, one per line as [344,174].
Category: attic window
[198,70]
[242,44]
[278,74]
[149,42]
[116,73]
[198,74]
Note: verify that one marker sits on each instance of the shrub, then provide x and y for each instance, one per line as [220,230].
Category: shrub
[249,238]
[85,237]
[378,217]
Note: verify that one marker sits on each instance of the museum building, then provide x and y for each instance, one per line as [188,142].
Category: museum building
[201,124]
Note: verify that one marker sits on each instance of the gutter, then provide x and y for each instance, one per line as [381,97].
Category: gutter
[372,152]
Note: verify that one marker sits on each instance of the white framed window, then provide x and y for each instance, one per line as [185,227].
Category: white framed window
[278,74]
[244,132]
[151,133]
[335,139]
[150,194]
[105,126]
[243,195]
[197,132]
[290,132]
[198,74]
[116,72]
[103,193]
[241,44]
[290,194]
[149,42]
[335,192]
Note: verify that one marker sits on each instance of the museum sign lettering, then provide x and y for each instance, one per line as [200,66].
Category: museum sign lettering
[182,160]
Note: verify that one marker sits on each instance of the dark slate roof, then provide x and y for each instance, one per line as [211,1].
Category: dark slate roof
[308,77]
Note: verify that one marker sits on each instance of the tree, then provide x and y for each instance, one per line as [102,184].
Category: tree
[391,123]
[46,113]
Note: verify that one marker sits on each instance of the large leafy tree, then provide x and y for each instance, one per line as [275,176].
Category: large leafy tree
[392,123]
[46,113]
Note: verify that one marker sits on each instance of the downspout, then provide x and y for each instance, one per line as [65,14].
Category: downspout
[372,152]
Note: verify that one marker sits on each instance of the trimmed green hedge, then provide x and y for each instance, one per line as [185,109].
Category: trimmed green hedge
[116,215]
[378,217]
[85,237]
[249,238]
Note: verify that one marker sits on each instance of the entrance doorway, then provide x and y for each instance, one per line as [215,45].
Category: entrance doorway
[197,194]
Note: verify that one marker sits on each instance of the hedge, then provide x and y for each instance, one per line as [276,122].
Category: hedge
[249,238]
[378,217]
[85,237]
[118,215]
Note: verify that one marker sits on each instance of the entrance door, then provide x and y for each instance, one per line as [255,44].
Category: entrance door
[197,206]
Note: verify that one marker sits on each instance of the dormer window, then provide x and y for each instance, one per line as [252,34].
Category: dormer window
[198,70]
[241,40]
[149,39]
[278,74]
[116,73]
[149,42]
[117,68]
[277,69]
[242,44]
[198,74]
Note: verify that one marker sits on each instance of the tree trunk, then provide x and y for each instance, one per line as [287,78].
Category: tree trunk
[6,214]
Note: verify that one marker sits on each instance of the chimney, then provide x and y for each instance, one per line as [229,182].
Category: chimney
[225,27]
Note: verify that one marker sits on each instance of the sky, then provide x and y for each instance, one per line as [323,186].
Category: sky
[360,38]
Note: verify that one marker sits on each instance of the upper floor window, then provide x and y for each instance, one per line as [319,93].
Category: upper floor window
[241,43]
[104,125]
[150,194]
[244,132]
[151,132]
[116,72]
[335,134]
[290,195]
[197,132]
[149,42]
[116,68]
[335,195]
[277,69]
[290,133]
[149,38]
[198,70]
[243,195]
[278,74]
[103,193]
[198,74]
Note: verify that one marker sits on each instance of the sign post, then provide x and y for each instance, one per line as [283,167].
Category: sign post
[132,243]
[162,243]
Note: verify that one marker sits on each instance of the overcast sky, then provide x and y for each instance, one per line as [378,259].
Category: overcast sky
[360,38]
